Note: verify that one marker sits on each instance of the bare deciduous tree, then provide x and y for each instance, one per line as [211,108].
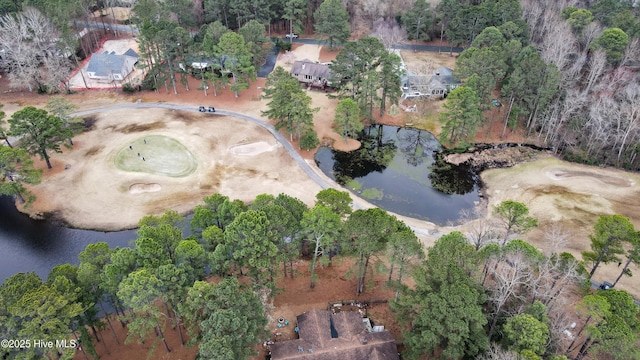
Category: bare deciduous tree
[597,65]
[29,40]
[371,10]
[496,352]
[631,117]
[559,49]
[509,279]
[388,32]
[560,326]
[590,33]
[481,229]
[632,53]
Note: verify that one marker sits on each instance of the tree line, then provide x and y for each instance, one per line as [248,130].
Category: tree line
[228,239]
[564,71]
[485,294]
[479,294]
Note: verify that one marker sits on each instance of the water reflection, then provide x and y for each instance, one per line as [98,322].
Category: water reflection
[417,145]
[393,170]
[32,245]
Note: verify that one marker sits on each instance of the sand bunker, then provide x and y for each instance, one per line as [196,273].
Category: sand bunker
[610,180]
[144,188]
[252,149]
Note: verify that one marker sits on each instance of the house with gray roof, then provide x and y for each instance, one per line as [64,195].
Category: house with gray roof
[437,85]
[311,73]
[325,335]
[110,66]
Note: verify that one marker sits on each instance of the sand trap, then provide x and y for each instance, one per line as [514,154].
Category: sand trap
[610,180]
[252,149]
[144,188]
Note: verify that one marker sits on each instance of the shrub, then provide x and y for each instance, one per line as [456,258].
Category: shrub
[283,45]
[309,140]
[128,88]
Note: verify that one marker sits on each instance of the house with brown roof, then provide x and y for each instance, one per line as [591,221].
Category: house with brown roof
[324,335]
[311,73]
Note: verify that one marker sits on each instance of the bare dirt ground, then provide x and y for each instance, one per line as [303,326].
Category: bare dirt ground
[425,63]
[333,284]
[100,188]
[571,196]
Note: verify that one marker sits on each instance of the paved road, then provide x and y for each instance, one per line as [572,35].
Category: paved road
[134,30]
[99,25]
[398,46]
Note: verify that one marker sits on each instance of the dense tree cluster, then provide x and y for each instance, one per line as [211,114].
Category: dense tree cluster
[512,294]
[367,73]
[229,239]
[565,71]
[290,107]
[33,51]
[480,294]
[595,49]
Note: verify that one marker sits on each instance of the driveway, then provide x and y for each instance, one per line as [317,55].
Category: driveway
[269,63]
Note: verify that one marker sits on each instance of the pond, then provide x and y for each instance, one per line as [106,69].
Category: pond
[398,170]
[34,245]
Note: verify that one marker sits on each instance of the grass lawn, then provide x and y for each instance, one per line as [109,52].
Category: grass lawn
[158,155]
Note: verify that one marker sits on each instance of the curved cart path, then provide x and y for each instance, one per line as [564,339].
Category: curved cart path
[321,180]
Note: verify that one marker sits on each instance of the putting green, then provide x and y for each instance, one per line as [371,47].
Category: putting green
[158,155]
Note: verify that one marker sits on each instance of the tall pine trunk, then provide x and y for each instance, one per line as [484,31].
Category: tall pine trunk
[571,348]
[506,117]
[179,327]
[313,263]
[624,270]
[106,315]
[161,336]
[600,257]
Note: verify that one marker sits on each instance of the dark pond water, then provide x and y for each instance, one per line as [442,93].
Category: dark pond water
[397,170]
[31,245]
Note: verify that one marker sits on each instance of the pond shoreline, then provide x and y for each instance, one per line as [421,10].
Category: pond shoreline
[488,156]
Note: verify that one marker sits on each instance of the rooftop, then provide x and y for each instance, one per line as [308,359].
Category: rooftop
[328,336]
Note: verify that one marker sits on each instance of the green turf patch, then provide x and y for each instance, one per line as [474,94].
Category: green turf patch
[353,185]
[372,194]
[158,155]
